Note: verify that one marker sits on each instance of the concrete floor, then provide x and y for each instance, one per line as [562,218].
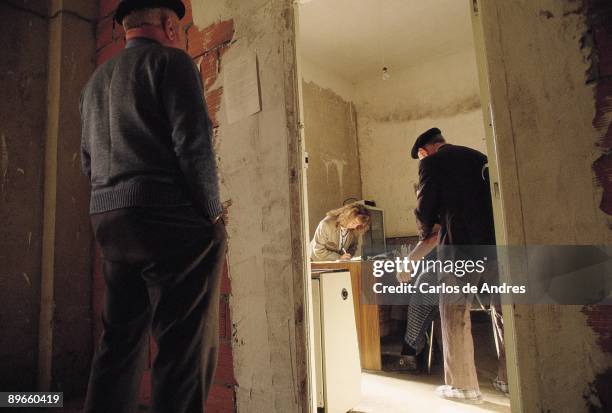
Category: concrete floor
[402,393]
[408,392]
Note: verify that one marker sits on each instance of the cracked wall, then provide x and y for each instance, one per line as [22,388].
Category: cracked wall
[544,106]
[333,152]
[259,183]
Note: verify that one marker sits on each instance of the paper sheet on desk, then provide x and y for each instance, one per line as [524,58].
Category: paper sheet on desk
[354,259]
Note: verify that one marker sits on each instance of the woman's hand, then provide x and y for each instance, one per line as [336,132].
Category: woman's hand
[346,256]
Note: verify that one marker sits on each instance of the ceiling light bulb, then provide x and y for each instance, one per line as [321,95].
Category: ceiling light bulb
[385,73]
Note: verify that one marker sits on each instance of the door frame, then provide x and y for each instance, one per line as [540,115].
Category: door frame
[497,190]
[501,233]
[309,334]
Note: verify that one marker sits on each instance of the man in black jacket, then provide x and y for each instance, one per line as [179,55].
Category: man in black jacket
[147,149]
[454,193]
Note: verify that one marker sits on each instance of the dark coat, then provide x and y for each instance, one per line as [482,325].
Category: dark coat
[454,192]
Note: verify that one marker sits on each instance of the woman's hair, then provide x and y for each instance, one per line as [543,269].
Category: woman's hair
[346,214]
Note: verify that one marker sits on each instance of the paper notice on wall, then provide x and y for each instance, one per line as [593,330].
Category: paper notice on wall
[241,88]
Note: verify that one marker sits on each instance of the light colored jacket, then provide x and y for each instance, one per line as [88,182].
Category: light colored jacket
[325,244]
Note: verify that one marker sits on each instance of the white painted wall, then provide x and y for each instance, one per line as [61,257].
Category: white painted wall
[390,115]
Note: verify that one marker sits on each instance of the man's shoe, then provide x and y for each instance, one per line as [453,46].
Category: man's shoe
[400,363]
[500,386]
[454,393]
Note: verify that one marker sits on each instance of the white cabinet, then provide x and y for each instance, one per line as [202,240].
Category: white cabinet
[338,371]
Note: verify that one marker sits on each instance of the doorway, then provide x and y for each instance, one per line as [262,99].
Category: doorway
[373,77]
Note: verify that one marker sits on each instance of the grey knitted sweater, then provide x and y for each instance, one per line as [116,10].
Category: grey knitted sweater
[146,134]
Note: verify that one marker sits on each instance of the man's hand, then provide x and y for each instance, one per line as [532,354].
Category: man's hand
[403,277]
[346,256]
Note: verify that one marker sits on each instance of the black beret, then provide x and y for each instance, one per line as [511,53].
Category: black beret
[423,140]
[127,6]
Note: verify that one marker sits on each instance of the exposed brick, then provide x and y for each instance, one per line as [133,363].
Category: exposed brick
[153,351]
[603,40]
[213,101]
[599,318]
[217,34]
[105,35]
[602,167]
[225,324]
[188,19]
[195,42]
[145,388]
[107,7]
[602,386]
[209,69]
[222,396]
[603,172]
[225,281]
[212,37]
[599,18]
[221,399]
[225,366]
[109,51]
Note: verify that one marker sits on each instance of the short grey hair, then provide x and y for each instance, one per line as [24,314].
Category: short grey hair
[146,17]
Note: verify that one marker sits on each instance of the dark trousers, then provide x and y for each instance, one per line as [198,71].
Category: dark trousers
[162,268]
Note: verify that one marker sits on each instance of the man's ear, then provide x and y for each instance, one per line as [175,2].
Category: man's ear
[169,29]
[422,153]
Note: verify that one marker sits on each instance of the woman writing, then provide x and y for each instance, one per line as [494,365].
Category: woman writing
[337,235]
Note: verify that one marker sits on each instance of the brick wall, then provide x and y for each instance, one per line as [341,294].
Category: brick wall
[599,17]
[599,35]
[206,47]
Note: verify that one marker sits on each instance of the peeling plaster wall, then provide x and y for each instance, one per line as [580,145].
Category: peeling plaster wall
[326,79]
[544,109]
[259,178]
[23,75]
[443,93]
[333,153]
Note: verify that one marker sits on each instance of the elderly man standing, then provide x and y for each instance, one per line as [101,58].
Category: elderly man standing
[155,210]
[454,193]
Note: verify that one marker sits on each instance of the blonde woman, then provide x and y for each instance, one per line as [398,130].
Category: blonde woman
[337,235]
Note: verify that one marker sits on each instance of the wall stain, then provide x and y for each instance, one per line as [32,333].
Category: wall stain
[598,41]
[547,14]
[465,105]
[598,395]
